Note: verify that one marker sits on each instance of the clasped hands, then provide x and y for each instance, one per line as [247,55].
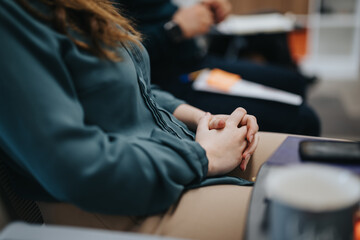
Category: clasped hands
[229,140]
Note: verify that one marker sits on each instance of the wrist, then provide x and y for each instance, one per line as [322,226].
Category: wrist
[210,165]
[210,168]
[189,115]
[198,115]
[174,31]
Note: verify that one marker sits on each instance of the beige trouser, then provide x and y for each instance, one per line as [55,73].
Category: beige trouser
[214,212]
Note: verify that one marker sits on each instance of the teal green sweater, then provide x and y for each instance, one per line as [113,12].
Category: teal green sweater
[88,131]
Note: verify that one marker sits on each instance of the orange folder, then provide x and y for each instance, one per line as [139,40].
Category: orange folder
[222,80]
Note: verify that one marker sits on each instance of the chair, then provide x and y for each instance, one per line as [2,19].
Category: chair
[14,206]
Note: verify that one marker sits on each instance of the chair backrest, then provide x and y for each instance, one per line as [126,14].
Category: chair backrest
[4,215]
[14,206]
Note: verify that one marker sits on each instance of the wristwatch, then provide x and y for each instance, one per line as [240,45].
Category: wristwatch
[173,31]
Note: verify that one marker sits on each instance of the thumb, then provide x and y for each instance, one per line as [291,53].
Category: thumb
[204,123]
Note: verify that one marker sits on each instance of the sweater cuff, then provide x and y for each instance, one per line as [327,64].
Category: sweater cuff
[201,156]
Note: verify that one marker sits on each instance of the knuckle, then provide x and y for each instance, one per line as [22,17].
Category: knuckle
[255,119]
[243,130]
[252,117]
[240,109]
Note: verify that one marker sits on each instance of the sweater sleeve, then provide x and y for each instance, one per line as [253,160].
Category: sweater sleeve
[42,128]
[165,99]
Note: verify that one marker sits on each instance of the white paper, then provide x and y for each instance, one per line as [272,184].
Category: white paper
[259,23]
[248,89]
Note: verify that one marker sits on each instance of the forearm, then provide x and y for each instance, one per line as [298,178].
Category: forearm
[165,99]
[189,115]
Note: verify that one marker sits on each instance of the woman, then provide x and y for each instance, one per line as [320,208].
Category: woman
[82,125]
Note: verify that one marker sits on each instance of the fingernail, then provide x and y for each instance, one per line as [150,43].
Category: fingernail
[242,168]
[251,138]
[247,158]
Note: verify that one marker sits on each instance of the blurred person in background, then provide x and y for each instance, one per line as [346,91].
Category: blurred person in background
[170,37]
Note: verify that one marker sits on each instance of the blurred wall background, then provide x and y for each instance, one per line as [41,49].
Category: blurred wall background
[330,49]
[253,6]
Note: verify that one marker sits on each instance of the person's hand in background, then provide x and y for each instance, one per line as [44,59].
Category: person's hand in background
[220,8]
[195,20]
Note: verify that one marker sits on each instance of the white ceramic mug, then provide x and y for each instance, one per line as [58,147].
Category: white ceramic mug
[312,201]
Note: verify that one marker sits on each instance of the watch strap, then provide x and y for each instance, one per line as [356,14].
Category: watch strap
[173,31]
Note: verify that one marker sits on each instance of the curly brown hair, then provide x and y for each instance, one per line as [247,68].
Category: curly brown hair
[97,20]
